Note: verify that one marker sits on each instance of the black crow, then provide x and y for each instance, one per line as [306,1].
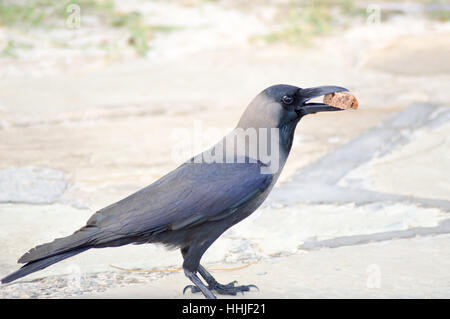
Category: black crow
[190,207]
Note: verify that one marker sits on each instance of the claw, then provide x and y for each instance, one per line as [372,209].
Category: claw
[231,289]
[228,289]
[252,286]
[193,288]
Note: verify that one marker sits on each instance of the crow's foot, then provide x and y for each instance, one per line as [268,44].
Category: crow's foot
[229,289]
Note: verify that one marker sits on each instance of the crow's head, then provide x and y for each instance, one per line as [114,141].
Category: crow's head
[281,104]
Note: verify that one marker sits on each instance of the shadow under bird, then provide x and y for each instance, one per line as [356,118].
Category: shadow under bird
[190,207]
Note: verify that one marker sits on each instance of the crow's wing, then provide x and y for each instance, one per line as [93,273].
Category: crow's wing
[189,195]
[193,193]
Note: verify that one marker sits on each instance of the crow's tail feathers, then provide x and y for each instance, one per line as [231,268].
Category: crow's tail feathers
[41,264]
[47,254]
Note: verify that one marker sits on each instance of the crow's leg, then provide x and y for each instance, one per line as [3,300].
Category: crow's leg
[192,255]
[199,285]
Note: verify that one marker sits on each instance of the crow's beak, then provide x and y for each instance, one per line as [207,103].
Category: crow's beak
[304,95]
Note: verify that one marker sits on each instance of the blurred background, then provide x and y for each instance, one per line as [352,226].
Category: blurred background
[92,92]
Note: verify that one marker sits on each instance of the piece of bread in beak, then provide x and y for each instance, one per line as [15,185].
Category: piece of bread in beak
[342,100]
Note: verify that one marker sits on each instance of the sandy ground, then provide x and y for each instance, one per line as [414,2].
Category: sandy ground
[366,271]
[360,210]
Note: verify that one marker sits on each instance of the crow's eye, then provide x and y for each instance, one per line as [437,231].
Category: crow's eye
[287,99]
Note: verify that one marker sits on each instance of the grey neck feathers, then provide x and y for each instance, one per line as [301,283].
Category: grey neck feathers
[287,131]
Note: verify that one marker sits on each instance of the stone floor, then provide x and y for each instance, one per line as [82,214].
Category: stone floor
[361,209]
